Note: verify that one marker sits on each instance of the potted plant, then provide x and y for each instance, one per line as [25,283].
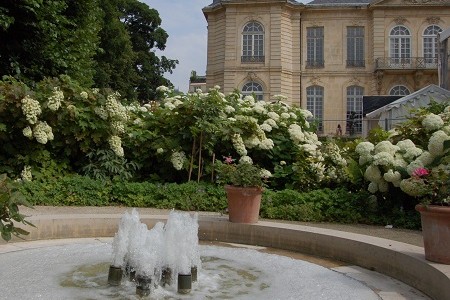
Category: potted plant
[244,183]
[432,186]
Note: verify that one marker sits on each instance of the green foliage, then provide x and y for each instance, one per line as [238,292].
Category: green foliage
[242,174]
[10,199]
[105,164]
[323,205]
[377,135]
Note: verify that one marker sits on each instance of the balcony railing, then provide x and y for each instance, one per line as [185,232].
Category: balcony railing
[253,59]
[315,64]
[406,63]
[356,63]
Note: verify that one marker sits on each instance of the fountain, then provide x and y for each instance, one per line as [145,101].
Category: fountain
[78,269]
[158,255]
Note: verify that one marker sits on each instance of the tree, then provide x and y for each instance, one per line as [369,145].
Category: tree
[49,38]
[127,61]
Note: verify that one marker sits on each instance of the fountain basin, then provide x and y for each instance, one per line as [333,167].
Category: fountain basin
[398,260]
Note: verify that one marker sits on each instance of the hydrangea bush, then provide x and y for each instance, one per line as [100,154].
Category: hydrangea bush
[414,159]
[61,127]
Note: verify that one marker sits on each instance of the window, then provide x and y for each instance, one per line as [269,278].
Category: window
[354,109]
[399,90]
[355,46]
[255,88]
[430,45]
[400,46]
[252,43]
[314,103]
[314,45]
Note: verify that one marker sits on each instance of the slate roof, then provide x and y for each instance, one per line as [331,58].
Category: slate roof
[340,2]
[371,103]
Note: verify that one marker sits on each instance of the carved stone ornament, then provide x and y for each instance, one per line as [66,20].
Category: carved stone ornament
[355,80]
[315,80]
[433,20]
[252,76]
[400,20]
[424,1]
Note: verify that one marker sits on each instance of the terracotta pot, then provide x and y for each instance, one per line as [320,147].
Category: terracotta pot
[436,232]
[243,203]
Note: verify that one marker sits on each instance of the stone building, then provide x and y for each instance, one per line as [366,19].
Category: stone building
[325,55]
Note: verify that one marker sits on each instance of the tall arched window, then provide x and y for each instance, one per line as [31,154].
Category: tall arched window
[251,88]
[314,103]
[399,90]
[252,43]
[400,46]
[354,109]
[430,44]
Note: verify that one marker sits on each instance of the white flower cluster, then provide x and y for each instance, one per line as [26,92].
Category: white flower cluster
[238,144]
[43,132]
[246,159]
[117,127]
[26,175]
[115,143]
[31,109]
[385,161]
[27,132]
[265,173]
[160,151]
[178,158]
[115,109]
[54,101]
[163,89]
[101,112]
[84,95]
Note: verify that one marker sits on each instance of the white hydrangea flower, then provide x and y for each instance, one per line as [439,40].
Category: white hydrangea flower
[282,163]
[31,109]
[163,89]
[383,159]
[246,159]
[26,174]
[252,142]
[432,122]
[265,173]
[159,150]
[405,145]
[178,158]
[446,129]
[95,91]
[386,146]
[319,169]
[399,161]
[115,109]
[27,132]
[412,153]
[265,127]
[306,113]
[238,144]
[259,108]
[309,148]
[364,148]
[231,119]
[392,176]
[271,122]
[84,95]
[296,134]
[229,109]
[426,158]
[177,102]
[117,127]
[285,115]
[363,159]
[273,115]
[266,144]
[293,115]
[436,143]
[54,101]
[413,188]
[373,187]
[42,132]
[279,98]
[217,87]
[115,143]
[372,173]
[249,99]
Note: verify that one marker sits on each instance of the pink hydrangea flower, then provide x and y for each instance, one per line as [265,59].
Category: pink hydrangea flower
[228,159]
[420,172]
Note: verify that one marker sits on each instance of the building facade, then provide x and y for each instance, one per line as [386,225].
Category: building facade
[325,55]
